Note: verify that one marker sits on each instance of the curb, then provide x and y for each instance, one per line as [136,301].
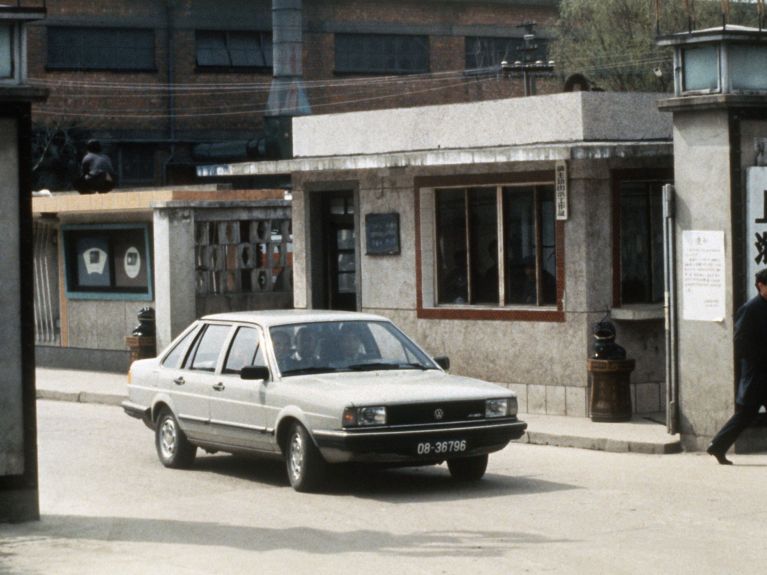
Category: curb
[81,397]
[602,444]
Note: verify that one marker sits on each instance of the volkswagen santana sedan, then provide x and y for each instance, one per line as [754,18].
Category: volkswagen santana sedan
[316,388]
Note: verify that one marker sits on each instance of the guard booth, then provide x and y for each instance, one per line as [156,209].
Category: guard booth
[719,112]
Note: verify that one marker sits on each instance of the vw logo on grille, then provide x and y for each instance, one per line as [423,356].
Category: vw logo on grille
[438,413]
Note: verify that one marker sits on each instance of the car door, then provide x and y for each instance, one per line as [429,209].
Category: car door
[192,386]
[236,411]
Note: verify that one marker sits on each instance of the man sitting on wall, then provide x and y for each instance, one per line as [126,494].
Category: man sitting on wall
[96,172]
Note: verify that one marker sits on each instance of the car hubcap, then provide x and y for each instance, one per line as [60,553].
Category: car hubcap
[296,455]
[168,438]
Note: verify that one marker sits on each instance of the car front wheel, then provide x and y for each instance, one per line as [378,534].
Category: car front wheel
[305,465]
[468,468]
[173,448]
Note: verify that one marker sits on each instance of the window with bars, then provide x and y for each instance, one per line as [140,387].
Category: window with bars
[496,246]
[487,52]
[244,256]
[381,53]
[79,48]
[233,49]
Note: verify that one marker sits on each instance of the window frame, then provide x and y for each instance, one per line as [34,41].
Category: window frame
[261,36]
[657,175]
[426,295]
[368,69]
[74,290]
[75,62]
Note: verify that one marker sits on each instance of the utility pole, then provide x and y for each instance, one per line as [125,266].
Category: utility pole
[526,67]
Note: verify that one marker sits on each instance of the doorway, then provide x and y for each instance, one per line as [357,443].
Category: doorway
[334,251]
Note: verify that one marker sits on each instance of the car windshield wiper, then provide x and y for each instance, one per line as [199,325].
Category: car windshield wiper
[306,370]
[375,365]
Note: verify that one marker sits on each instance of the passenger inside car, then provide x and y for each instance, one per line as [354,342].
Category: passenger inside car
[306,348]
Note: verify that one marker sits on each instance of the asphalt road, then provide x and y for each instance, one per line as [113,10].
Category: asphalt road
[109,507]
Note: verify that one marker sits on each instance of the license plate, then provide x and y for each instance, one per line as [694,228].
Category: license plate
[445,447]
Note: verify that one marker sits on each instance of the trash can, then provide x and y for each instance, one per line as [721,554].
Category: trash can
[610,375]
[610,389]
[142,343]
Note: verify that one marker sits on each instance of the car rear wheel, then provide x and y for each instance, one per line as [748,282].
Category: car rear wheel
[173,448]
[305,465]
[468,468]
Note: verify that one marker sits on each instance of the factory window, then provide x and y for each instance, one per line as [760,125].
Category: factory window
[136,166]
[381,54]
[77,48]
[233,49]
[488,52]
[108,262]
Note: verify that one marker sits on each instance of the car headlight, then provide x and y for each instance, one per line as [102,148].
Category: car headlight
[497,407]
[363,416]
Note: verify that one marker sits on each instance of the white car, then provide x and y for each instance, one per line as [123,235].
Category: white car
[316,388]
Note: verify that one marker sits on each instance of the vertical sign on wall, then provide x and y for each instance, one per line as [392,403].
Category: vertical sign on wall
[756,225]
[703,287]
[560,178]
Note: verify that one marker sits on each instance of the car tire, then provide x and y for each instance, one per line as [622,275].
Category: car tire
[468,468]
[173,448]
[305,465]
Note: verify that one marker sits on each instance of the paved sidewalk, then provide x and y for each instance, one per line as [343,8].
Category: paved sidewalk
[641,435]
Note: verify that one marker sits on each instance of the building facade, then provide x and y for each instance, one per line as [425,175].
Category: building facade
[167,85]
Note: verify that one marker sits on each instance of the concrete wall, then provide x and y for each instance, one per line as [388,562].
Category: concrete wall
[569,117]
[11,383]
[702,181]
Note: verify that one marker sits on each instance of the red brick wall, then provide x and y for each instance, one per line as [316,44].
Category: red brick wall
[136,106]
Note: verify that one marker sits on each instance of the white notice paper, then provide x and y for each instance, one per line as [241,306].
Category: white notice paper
[703,289]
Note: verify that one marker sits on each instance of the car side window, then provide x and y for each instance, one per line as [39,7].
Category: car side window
[209,347]
[245,350]
[177,354]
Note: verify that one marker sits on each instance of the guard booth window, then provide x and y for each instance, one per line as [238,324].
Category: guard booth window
[496,246]
[640,232]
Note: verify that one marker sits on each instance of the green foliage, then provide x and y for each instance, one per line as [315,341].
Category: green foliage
[612,42]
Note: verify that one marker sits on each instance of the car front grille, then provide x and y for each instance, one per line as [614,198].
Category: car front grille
[435,412]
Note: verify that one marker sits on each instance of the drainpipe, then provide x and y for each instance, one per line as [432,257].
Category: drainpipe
[169,65]
[669,308]
[287,96]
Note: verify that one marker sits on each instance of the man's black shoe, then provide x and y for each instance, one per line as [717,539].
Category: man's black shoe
[720,457]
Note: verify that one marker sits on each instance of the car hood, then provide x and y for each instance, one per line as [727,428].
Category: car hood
[400,386]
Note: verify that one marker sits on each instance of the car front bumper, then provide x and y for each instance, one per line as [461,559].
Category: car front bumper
[417,444]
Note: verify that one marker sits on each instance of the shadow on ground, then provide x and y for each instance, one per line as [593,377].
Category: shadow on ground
[392,485]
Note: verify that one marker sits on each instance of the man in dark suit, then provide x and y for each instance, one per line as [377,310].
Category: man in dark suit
[751,351]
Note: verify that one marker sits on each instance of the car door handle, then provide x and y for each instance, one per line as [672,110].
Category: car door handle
[219,386]
[179,380]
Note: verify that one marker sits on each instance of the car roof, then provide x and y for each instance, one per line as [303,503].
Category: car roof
[270,317]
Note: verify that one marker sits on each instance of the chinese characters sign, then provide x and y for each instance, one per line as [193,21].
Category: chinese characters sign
[703,275]
[561,189]
[756,225]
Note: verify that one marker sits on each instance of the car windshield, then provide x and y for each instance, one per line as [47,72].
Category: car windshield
[323,347]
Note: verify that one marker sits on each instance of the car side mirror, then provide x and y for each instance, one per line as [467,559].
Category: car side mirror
[443,361]
[254,372]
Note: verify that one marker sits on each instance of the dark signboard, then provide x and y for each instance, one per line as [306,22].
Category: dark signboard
[382,234]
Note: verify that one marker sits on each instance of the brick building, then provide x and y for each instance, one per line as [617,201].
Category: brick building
[166,85]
